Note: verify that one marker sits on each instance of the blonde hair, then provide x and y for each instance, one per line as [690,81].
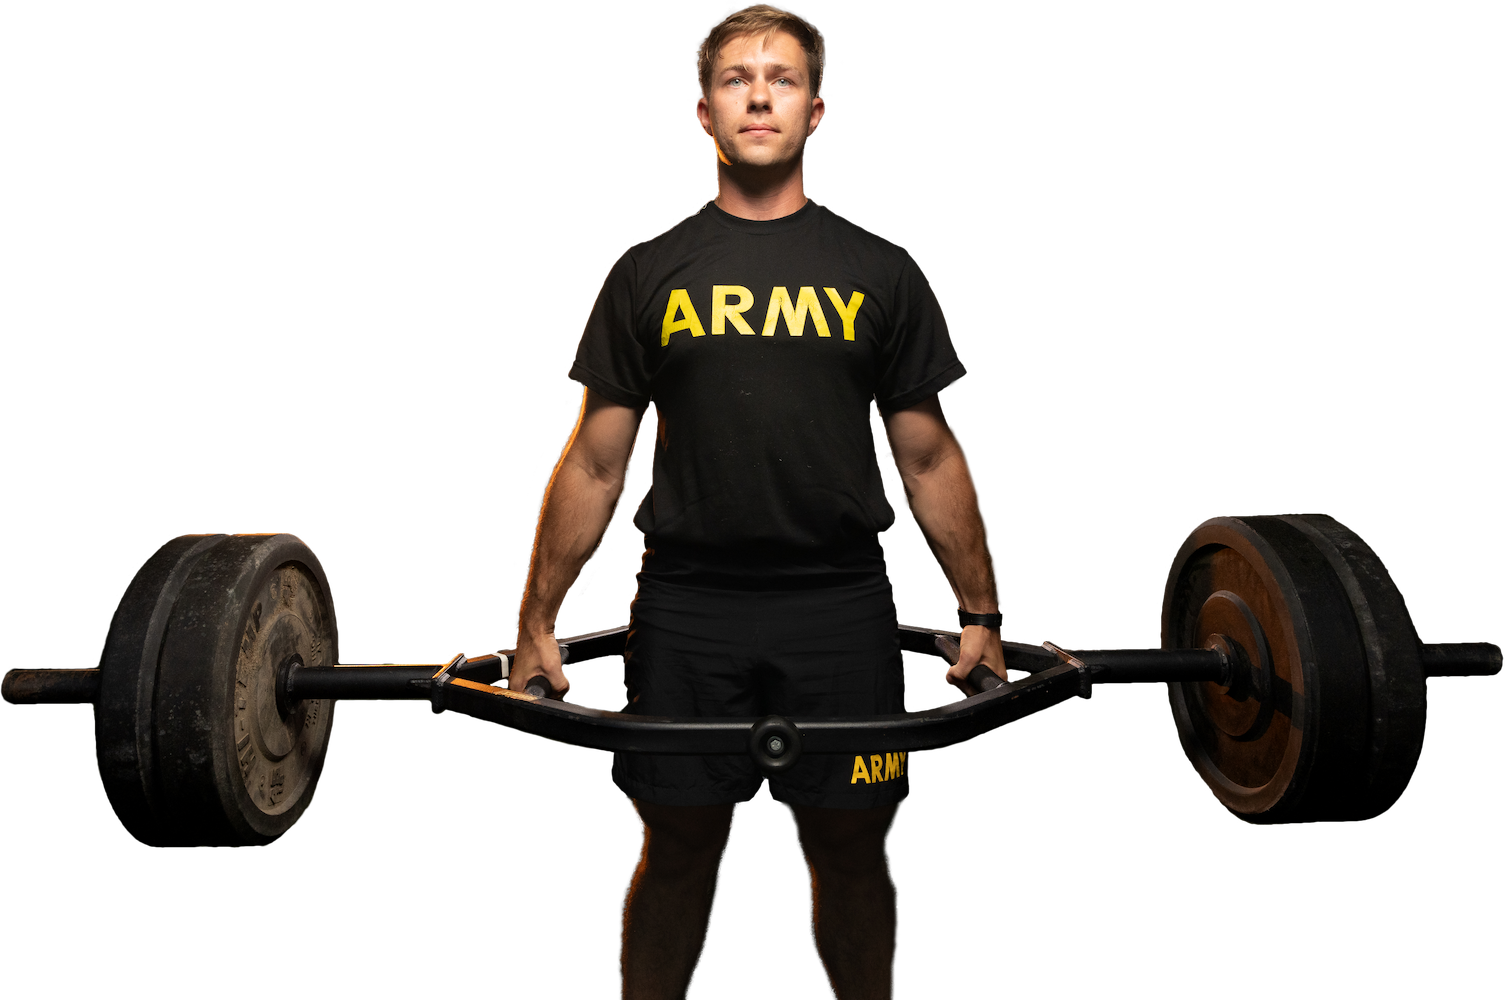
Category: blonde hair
[761,19]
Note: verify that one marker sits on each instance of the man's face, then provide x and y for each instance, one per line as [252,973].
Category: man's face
[760,108]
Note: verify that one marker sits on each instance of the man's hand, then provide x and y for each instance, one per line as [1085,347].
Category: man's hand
[980,644]
[538,654]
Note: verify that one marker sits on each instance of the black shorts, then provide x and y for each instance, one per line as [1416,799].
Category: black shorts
[822,651]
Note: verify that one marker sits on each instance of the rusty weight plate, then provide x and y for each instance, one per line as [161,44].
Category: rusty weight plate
[1295,739]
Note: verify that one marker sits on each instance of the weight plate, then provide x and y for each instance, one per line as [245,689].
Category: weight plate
[231,768]
[1392,654]
[1290,745]
[123,734]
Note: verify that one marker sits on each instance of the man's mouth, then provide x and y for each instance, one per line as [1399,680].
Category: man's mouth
[759,130]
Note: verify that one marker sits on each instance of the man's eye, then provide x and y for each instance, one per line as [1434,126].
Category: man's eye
[782,79]
[734,82]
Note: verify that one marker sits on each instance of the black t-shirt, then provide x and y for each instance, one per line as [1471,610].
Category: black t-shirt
[763,344]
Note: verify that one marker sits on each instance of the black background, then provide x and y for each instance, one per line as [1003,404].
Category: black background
[333,279]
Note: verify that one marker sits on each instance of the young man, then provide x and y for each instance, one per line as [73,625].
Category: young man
[762,328]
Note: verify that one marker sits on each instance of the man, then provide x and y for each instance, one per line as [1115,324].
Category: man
[762,328]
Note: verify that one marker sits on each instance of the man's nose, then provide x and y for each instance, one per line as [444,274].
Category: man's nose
[760,97]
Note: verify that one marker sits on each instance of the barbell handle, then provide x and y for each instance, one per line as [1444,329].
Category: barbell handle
[981,678]
[51,687]
[539,685]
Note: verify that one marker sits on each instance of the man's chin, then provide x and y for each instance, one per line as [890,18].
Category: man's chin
[761,159]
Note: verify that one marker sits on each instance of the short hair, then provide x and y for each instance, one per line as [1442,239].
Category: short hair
[761,19]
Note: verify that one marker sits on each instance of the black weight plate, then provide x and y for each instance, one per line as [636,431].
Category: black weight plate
[1303,756]
[231,768]
[1392,653]
[123,739]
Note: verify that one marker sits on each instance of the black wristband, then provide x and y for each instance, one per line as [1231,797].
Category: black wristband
[994,620]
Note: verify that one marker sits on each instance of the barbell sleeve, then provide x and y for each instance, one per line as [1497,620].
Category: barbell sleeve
[1460,659]
[51,687]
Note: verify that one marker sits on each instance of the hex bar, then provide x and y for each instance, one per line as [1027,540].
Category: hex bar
[411,682]
[1109,666]
[600,730]
[385,681]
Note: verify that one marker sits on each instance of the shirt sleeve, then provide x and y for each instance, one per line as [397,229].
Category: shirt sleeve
[610,357]
[918,361]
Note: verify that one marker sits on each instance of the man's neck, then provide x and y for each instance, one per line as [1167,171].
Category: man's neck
[753,194]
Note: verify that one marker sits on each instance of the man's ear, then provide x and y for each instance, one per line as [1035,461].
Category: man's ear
[703,112]
[817,115]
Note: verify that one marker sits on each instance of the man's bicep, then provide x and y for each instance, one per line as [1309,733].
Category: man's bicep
[918,436]
[603,438]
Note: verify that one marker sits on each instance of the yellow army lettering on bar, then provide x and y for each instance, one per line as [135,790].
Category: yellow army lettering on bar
[879,767]
[730,302]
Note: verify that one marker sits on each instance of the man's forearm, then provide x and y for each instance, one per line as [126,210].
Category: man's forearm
[944,503]
[576,510]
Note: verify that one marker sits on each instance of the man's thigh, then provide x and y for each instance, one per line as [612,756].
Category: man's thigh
[685,829]
[687,655]
[844,841]
[835,652]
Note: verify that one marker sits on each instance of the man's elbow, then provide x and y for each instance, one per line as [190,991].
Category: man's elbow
[928,463]
[602,471]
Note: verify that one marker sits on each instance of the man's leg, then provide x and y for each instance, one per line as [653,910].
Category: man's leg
[853,912]
[669,901]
